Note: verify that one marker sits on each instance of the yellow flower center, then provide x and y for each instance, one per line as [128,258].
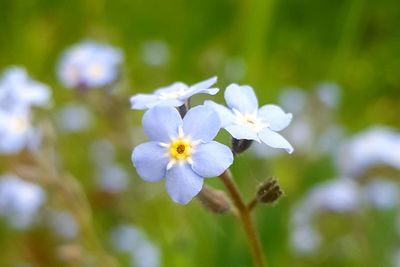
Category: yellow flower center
[96,70]
[180,149]
[19,124]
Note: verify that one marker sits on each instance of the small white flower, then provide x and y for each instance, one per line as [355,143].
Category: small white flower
[244,120]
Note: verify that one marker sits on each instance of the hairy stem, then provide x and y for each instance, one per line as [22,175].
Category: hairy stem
[245,217]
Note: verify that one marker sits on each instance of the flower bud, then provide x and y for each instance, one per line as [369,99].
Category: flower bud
[184,108]
[214,200]
[269,191]
[239,146]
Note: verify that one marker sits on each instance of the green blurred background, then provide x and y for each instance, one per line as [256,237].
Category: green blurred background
[268,44]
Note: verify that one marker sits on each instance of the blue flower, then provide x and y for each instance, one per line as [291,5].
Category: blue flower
[16,131]
[174,95]
[17,90]
[244,120]
[181,150]
[89,65]
[20,200]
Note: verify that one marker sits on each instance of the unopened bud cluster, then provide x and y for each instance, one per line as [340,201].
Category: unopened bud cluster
[269,191]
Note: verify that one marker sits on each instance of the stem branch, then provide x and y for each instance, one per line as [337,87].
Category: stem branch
[252,204]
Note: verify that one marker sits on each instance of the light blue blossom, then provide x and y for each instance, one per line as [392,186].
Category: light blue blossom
[112,178]
[63,223]
[244,120]
[74,118]
[16,131]
[305,239]
[382,194]
[134,241]
[19,200]
[89,64]
[18,89]
[181,150]
[376,146]
[174,95]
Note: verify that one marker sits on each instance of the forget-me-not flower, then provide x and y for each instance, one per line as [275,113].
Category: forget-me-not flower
[134,241]
[181,150]
[174,95]
[74,118]
[18,89]
[376,146]
[89,64]
[244,120]
[19,200]
[16,131]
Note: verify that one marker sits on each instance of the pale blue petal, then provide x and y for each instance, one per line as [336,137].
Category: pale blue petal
[275,116]
[225,115]
[161,123]
[143,101]
[242,132]
[202,123]
[35,94]
[211,159]
[175,87]
[150,161]
[182,183]
[204,84]
[241,98]
[202,87]
[13,143]
[275,140]
[190,93]
[173,102]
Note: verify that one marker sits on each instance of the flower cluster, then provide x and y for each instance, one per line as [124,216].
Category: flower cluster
[181,147]
[18,94]
[89,65]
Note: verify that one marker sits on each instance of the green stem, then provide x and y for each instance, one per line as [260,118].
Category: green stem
[245,217]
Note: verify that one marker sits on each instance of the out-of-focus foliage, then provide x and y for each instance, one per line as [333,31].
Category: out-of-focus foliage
[333,64]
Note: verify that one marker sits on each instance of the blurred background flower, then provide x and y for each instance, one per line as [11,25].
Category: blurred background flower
[89,64]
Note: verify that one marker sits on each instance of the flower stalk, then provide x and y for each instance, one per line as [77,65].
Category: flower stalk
[245,216]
